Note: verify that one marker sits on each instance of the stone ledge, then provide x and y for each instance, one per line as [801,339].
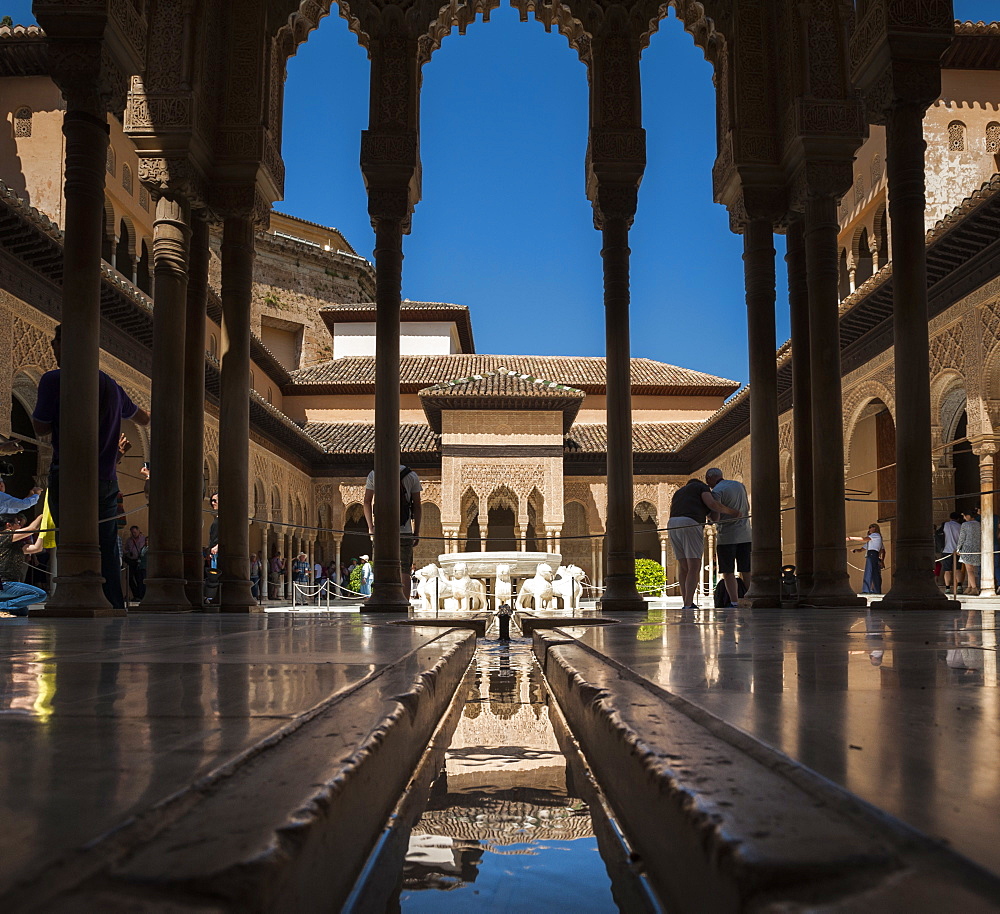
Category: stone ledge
[286,826]
[725,823]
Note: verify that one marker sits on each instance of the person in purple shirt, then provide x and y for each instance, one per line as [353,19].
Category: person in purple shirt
[113,406]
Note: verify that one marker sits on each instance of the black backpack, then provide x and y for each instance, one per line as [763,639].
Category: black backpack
[405,505]
[939,540]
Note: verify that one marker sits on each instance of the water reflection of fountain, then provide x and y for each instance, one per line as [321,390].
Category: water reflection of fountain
[501,809]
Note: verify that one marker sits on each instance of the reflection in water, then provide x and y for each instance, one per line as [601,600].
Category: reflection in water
[502,829]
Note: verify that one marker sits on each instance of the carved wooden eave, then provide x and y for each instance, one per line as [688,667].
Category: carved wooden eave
[896,49]
[95,45]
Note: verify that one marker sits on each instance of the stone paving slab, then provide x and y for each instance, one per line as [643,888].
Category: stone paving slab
[102,721]
[724,822]
[903,711]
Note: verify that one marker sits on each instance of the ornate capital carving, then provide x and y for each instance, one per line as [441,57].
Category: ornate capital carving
[174,175]
[240,200]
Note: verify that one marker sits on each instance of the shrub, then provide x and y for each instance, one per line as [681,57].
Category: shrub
[649,577]
[355,584]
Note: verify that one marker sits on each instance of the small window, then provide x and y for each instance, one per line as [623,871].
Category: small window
[859,190]
[993,138]
[144,198]
[213,345]
[956,136]
[22,121]
[270,395]
[112,164]
[876,169]
[127,178]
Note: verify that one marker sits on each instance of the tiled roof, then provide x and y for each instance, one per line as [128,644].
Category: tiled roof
[23,51]
[410,311]
[501,389]
[353,438]
[647,437]
[976,47]
[356,374]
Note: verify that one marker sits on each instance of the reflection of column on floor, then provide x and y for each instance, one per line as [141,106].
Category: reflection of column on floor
[193,455]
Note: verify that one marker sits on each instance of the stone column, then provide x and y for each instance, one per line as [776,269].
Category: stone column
[165,586]
[802,457]
[765,467]
[78,589]
[387,592]
[234,416]
[831,583]
[336,563]
[193,456]
[987,478]
[913,583]
[621,593]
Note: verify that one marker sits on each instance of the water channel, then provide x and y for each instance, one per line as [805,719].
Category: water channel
[504,825]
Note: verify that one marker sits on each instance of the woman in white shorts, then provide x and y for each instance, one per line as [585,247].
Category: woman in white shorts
[690,509]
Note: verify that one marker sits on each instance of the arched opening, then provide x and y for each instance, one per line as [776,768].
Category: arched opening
[966,463]
[573,544]
[871,483]
[108,238]
[863,259]
[25,463]
[647,543]
[356,542]
[430,545]
[882,236]
[501,534]
[470,521]
[845,276]
[123,252]
[143,274]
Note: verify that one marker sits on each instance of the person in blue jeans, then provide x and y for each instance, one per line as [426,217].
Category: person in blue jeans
[16,597]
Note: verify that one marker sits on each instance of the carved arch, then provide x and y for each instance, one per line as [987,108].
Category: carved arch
[857,401]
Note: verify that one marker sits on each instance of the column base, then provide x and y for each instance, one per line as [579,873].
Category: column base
[195,593]
[235,596]
[386,597]
[79,595]
[165,595]
[623,605]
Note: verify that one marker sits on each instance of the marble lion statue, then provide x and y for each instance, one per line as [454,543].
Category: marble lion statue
[432,581]
[503,588]
[537,591]
[470,593]
[567,585]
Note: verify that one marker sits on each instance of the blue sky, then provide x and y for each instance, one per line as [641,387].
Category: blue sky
[504,225]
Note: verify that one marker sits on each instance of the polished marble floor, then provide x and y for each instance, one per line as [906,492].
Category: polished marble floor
[102,719]
[903,710]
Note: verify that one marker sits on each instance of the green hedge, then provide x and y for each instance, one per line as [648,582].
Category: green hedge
[355,584]
[649,577]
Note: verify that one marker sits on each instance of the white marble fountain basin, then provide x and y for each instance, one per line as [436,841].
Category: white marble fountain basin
[484,564]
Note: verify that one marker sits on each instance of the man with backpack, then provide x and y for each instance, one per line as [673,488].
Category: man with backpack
[409,518]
